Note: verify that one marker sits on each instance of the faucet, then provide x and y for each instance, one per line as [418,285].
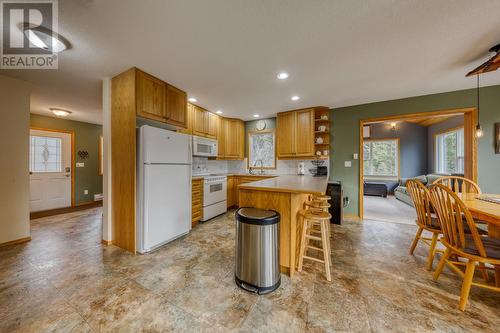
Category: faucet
[261,166]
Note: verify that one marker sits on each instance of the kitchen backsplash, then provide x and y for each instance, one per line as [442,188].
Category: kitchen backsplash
[202,165]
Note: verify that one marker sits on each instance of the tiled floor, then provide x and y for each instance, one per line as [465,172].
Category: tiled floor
[65,280]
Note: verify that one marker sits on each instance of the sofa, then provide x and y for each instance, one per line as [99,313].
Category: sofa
[401,193]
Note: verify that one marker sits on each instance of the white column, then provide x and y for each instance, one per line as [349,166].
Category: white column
[107,231]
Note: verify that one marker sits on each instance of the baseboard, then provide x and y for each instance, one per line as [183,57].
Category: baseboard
[107,242]
[58,211]
[16,241]
[352,218]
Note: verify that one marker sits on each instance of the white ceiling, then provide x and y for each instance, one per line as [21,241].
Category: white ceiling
[227,52]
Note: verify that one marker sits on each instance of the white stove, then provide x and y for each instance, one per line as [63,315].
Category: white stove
[214,196]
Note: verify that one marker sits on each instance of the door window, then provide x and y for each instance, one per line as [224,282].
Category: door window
[45,154]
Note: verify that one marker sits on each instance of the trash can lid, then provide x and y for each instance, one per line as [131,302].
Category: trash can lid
[257,216]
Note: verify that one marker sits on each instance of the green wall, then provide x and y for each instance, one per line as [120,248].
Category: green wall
[86,138]
[345,134]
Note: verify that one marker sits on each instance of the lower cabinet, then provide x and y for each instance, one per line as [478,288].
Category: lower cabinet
[197,201]
[232,191]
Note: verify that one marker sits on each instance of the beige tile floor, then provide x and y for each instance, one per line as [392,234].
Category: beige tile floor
[64,280]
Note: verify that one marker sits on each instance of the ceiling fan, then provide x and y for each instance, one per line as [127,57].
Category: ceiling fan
[489,66]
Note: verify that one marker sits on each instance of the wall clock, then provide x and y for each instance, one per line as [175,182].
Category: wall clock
[260,125]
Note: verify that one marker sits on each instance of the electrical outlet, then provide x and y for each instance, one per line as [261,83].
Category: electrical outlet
[86,192]
[80,164]
[347,164]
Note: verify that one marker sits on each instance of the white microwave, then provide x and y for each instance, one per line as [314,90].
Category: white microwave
[204,147]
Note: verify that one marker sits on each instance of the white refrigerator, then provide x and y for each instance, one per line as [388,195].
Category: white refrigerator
[163,187]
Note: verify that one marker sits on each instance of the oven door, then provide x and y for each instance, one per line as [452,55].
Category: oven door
[214,192]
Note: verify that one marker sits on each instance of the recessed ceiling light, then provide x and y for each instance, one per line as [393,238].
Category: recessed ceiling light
[282,76]
[218,112]
[45,39]
[256,116]
[192,100]
[295,98]
[60,112]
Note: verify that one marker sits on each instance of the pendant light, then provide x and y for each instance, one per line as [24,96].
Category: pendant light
[479,131]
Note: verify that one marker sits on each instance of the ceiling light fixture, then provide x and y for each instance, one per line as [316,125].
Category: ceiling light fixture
[256,116]
[218,112]
[192,100]
[282,76]
[295,98]
[45,39]
[479,130]
[60,112]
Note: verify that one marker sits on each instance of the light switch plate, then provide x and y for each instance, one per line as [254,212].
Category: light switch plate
[347,164]
[85,192]
[355,156]
[80,164]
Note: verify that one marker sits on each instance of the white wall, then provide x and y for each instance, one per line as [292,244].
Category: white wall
[107,232]
[14,170]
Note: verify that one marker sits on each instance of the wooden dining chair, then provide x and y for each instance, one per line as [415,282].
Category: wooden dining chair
[473,247]
[458,184]
[425,221]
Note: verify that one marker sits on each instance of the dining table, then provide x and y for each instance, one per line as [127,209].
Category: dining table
[487,211]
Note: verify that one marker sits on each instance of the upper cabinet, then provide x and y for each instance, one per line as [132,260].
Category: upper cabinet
[221,137]
[296,133]
[234,141]
[176,110]
[211,120]
[150,96]
[204,122]
[157,100]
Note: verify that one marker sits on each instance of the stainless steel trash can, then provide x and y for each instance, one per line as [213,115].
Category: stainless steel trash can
[257,266]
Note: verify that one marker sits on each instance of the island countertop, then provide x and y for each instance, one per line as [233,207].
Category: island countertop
[289,184]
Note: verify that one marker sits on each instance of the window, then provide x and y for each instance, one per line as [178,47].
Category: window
[261,149]
[381,159]
[450,152]
[45,154]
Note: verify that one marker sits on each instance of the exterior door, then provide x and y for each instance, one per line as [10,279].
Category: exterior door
[50,170]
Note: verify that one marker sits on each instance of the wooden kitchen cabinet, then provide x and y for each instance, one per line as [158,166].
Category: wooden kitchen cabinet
[295,133]
[150,96]
[159,101]
[211,124]
[221,137]
[285,134]
[197,201]
[304,129]
[234,139]
[199,123]
[231,188]
[176,106]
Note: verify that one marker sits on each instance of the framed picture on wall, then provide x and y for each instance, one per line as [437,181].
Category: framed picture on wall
[262,149]
[497,138]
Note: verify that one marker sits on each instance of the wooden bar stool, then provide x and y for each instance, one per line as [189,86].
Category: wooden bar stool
[323,197]
[319,206]
[312,220]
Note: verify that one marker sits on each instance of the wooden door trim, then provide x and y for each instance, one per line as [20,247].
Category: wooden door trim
[73,166]
[470,122]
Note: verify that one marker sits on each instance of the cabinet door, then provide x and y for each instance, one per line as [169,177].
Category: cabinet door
[150,97]
[189,120]
[234,140]
[176,106]
[221,137]
[241,139]
[199,126]
[285,133]
[230,191]
[211,124]
[304,140]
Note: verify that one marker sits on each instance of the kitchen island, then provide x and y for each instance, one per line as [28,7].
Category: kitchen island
[286,195]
